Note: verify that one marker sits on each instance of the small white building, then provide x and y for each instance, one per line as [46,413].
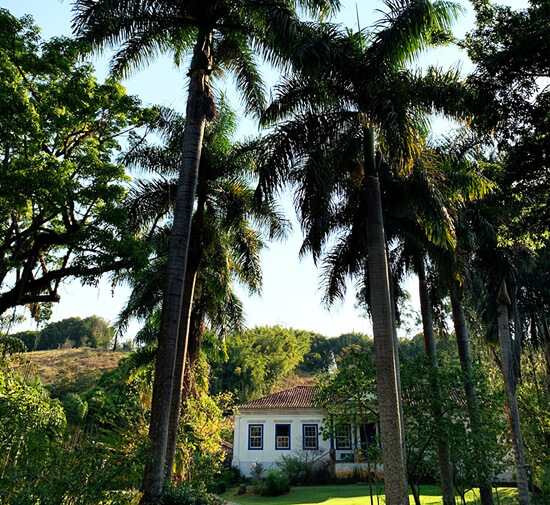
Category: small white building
[289,424]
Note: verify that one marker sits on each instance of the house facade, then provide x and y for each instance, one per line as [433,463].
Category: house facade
[289,424]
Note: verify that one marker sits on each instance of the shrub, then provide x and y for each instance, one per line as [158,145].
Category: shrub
[302,471]
[275,483]
[229,477]
[184,494]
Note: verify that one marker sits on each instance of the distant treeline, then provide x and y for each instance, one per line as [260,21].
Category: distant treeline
[260,359]
[92,331]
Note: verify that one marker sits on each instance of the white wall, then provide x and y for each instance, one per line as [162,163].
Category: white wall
[243,457]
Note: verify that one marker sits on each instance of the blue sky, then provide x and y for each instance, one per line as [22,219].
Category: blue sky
[290,286]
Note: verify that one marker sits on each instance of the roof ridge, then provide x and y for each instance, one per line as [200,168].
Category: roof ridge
[300,396]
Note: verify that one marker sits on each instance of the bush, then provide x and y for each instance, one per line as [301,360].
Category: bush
[275,483]
[229,477]
[184,494]
[303,472]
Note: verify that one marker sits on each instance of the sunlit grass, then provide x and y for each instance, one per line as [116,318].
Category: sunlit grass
[356,494]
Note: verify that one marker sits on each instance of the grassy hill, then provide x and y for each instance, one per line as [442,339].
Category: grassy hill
[63,364]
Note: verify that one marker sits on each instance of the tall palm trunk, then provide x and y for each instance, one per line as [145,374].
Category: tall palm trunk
[385,354]
[474,412]
[506,359]
[196,333]
[444,459]
[194,259]
[179,369]
[546,332]
[398,371]
[198,106]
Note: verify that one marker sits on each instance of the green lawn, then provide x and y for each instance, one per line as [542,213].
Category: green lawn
[353,494]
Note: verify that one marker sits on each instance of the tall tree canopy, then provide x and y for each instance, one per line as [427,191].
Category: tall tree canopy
[60,189]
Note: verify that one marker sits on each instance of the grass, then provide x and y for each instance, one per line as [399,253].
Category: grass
[354,494]
[51,366]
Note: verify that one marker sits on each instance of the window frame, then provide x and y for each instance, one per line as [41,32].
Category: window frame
[261,437]
[277,425]
[338,437]
[304,437]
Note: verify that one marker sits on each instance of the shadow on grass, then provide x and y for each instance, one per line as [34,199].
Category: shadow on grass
[353,494]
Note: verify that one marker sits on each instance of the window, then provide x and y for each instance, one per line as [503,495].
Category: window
[310,438]
[343,436]
[282,436]
[255,436]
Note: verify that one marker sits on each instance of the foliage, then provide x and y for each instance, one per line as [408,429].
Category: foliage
[510,49]
[275,483]
[464,445]
[60,191]
[73,380]
[11,345]
[302,471]
[203,427]
[325,351]
[93,331]
[88,452]
[184,494]
[29,338]
[258,359]
[534,402]
[30,424]
[257,471]
[350,396]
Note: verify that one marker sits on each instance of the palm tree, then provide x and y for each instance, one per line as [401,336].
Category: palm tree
[225,204]
[498,264]
[420,209]
[461,155]
[364,113]
[510,382]
[218,35]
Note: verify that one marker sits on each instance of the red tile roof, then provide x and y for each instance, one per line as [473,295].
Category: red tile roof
[293,398]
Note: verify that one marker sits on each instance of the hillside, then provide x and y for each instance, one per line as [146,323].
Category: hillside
[52,366]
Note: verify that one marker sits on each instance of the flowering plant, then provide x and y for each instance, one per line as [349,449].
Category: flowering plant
[257,471]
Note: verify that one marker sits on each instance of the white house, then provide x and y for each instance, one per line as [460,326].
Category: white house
[288,423]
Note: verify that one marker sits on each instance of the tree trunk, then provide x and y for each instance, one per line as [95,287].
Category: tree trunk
[445,470]
[198,106]
[385,355]
[398,371]
[463,344]
[546,347]
[194,259]
[179,370]
[506,359]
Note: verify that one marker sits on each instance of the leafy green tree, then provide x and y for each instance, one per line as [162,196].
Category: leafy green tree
[349,394]
[219,35]
[533,393]
[320,357]
[29,338]
[258,360]
[60,191]
[510,50]
[92,331]
[11,345]
[99,332]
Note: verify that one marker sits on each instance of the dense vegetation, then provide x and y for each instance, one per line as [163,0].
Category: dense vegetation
[377,198]
[92,331]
